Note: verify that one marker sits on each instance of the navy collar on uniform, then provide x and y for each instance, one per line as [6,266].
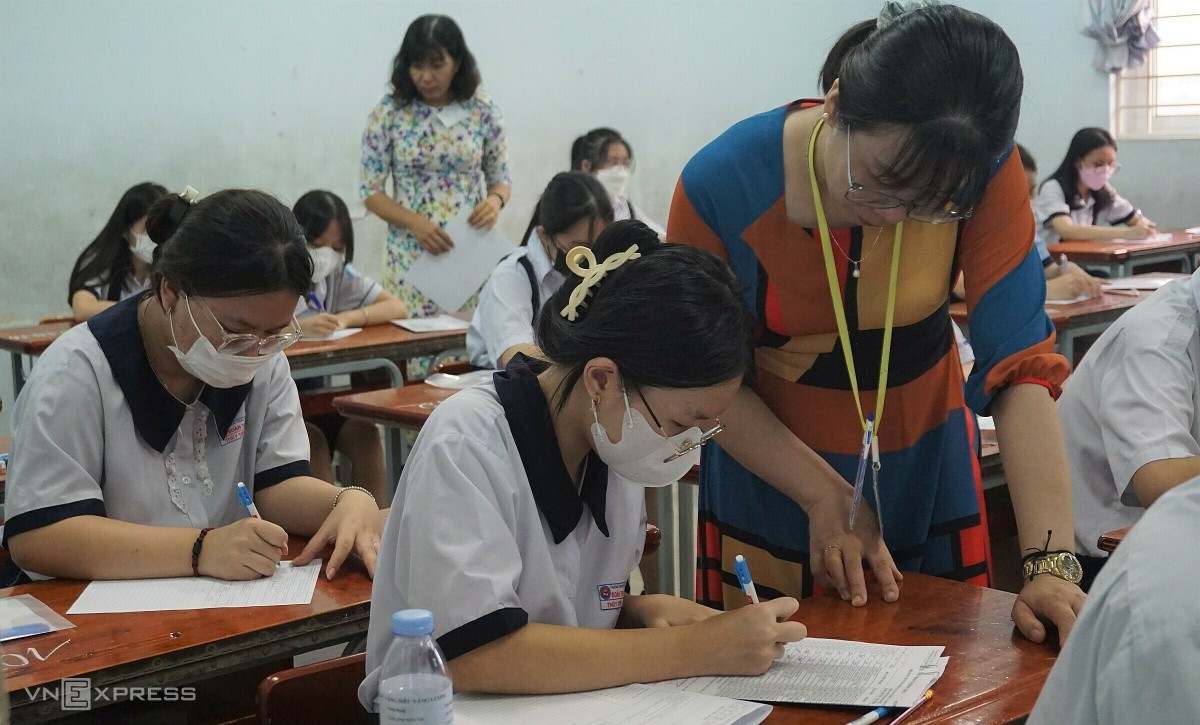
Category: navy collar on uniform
[528,415]
[156,413]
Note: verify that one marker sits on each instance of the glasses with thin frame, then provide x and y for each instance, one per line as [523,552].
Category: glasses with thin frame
[239,343]
[680,451]
[859,194]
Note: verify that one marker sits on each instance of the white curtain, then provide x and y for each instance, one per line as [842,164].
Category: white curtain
[1123,29]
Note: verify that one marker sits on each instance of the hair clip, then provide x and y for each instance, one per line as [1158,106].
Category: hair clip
[183,203]
[893,9]
[591,275]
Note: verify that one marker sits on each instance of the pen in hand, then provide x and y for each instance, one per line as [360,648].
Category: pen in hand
[742,570]
[251,509]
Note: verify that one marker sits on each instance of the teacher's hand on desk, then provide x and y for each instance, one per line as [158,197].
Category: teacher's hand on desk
[1046,598]
[246,549]
[353,527]
[837,552]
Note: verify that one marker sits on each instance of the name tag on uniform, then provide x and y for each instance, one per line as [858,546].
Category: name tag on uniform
[612,596]
[237,431]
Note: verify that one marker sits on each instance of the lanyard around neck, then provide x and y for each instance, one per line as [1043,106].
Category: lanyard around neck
[839,310]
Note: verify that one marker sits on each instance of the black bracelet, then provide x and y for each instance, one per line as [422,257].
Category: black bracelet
[498,195]
[196,551]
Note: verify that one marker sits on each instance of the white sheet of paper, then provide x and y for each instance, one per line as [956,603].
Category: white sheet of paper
[459,382]
[630,705]
[1135,283]
[288,585]
[986,423]
[833,672]
[441,323]
[336,334]
[1073,300]
[450,278]
[1161,237]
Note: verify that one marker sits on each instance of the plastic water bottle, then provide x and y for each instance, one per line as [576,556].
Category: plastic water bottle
[414,686]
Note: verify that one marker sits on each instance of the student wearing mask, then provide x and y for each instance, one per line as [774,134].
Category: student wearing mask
[605,154]
[116,265]
[1077,202]
[530,488]
[573,209]
[134,429]
[341,297]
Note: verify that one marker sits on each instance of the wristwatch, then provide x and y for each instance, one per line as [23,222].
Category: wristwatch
[1061,564]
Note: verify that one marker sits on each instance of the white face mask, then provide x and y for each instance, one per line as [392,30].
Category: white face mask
[143,248]
[203,362]
[326,261]
[641,452]
[615,178]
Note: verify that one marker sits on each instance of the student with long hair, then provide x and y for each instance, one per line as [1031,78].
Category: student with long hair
[116,265]
[605,154]
[572,210]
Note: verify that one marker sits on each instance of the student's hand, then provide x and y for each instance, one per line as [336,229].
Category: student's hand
[837,553]
[1091,286]
[1047,598]
[431,236]
[1150,223]
[246,549]
[1140,230]
[662,610]
[485,213]
[354,526]
[1074,283]
[320,325]
[746,641]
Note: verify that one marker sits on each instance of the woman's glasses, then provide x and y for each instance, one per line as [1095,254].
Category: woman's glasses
[688,446]
[859,194]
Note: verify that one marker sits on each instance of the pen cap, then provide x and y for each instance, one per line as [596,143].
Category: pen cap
[741,570]
[412,623]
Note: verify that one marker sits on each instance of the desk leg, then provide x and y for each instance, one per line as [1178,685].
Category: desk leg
[668,550]
[1066,345]
[394,456]
[686,516]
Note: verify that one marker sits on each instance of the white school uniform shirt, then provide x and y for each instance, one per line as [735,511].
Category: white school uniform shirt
[1051,202]
[131,288]
[623,208]
[1133,399]
[1134,652]
[505,314]
[343,289]
[488,532]
[95,434]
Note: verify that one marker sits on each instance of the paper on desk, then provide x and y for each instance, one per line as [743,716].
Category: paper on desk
[1161,237]
[25,615]
[335,335]
[986,422]
[288,585]
[1078,298]
[1139,283]
[818,671]
[440,323]
[630,705]
[450,278]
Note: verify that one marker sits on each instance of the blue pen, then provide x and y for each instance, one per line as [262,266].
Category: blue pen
[862,468]
[24,630]
[742,570]
[871,717]
[315,302]
[251,509]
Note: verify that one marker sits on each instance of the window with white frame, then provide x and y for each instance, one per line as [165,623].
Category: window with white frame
[1161,98]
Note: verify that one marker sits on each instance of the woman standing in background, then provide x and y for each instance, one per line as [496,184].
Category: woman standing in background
[442,143]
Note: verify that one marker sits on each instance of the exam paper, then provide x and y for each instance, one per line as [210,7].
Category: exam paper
[288,585]
[630,705]
[336,334]
[441,323]
[450,278]
[1139,283]
[1162,237]
[1077,298]
[818,671]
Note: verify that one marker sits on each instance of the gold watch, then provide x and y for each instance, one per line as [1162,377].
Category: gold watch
[1061,564]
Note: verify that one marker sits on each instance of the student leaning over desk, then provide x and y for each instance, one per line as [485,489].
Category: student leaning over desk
[520,512]
[134,429]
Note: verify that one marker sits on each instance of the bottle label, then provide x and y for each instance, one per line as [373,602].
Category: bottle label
[416,700]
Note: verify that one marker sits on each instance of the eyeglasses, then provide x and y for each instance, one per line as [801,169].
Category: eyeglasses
[236,344]
[859,194]
[688,446]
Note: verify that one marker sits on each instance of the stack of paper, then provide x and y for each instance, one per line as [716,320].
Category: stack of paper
[630,705]
[1139,283]
[450,278]
[441,323]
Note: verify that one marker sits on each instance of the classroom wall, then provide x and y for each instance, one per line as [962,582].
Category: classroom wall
[273,94]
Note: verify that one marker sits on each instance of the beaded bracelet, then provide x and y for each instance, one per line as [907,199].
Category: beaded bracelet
[196,551]
[338,495]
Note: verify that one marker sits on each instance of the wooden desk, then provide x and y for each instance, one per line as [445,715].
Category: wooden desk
[21,342]
[1109,542]
[1121,258]
[994,674]
[1081,319]
[175,648]
[389,342]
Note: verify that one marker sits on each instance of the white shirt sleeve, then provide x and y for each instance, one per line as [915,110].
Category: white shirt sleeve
[1120,211]
[1048,204]
[282,451]
[354,291]
[1146,411]
[504,316]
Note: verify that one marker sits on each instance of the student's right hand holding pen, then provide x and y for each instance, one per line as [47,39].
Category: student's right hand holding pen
[246,549]
[746,641]
[320,325]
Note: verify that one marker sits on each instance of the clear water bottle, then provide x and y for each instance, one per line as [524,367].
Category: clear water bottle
[414,685]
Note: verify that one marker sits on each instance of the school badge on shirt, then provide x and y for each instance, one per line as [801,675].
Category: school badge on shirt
[237,431]
[612,596]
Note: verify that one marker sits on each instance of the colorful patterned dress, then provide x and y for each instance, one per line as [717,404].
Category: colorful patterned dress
[730,200]
[441,161]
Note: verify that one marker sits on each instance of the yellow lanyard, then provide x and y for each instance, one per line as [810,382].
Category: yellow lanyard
[839,311]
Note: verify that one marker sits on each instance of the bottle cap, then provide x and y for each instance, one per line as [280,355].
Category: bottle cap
[412,623]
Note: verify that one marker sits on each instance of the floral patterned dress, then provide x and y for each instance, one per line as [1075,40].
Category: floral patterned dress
[441,161]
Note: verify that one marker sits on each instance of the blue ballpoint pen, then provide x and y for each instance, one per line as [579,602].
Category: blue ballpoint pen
[742,570]
[315,302]
[871,717]
[862,468]
[251,509]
